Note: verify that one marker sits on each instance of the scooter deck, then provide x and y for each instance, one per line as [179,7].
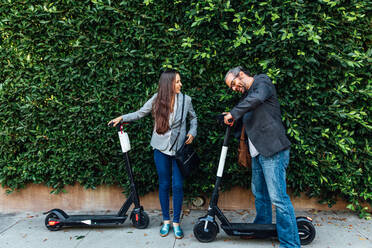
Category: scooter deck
[93,220]
[103,216]
[250,229]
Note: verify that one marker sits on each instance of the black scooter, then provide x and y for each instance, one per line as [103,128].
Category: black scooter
[57,218]
[206,228]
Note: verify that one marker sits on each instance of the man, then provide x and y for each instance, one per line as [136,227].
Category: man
[269,148]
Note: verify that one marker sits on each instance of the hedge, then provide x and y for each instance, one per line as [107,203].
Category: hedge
[68,67]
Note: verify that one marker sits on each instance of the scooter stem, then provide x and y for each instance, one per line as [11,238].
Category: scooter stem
[221,164]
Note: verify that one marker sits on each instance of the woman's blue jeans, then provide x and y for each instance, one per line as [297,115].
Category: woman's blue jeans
[166,167]
[269,186]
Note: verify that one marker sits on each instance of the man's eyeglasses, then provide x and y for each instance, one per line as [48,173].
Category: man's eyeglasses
[233,83]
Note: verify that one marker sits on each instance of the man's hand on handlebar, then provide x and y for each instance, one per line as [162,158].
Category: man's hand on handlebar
[115,121]
[228,119]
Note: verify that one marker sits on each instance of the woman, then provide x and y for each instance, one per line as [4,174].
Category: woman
[166,108]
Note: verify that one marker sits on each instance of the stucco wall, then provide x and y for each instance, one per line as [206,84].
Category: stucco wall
[38,198]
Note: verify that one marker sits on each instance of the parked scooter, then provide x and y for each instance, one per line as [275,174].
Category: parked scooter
[206,228]
[57,218]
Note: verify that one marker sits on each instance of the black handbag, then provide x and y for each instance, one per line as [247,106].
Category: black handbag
[186,157]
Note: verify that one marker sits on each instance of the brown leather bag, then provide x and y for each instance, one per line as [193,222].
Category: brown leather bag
[244,157]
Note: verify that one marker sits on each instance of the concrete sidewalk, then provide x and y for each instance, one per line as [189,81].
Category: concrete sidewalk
[27,230]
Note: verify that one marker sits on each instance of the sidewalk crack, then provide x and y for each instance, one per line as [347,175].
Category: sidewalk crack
[363,235]
[174,244]
[6,229]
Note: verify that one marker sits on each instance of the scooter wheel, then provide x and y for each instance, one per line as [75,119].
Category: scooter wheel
[52,222]
[140,221]
[306,231]
[205,235]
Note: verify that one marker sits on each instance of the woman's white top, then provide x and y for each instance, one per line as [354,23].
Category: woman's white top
[165,138]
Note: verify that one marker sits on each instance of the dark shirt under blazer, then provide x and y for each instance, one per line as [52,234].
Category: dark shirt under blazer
[263,123]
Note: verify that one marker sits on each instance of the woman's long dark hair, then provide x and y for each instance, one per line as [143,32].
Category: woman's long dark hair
[162,106]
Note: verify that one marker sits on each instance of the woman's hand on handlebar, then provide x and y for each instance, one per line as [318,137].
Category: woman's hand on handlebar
[115,121]
[190,138]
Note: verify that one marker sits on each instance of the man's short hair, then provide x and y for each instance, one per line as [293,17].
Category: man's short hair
[235,71]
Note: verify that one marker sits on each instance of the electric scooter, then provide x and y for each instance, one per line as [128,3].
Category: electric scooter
[57,218]
[206,228]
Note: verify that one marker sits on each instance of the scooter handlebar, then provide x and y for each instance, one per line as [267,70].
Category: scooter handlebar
[118,125]
[220,120]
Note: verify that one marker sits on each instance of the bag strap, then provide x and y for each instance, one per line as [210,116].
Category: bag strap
[179,130]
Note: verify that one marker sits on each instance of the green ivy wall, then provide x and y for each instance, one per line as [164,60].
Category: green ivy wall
[68,67]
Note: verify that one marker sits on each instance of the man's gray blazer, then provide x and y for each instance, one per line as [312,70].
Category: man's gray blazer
[156,143]
[262,120]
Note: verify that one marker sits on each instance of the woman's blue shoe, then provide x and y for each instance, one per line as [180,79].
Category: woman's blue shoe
[164,230]
[178,233]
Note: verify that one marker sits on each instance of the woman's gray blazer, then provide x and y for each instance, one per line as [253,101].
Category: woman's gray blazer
[188,109]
